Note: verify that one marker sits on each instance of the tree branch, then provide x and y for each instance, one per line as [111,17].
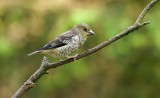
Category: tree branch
[43,69]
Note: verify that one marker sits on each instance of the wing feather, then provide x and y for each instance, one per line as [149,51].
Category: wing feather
[59,41]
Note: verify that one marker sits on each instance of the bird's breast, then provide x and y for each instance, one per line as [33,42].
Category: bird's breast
[67,50]
[72,46]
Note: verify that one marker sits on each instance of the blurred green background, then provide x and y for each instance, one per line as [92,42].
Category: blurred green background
[128,68]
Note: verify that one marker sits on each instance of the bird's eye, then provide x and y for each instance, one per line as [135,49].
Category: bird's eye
[85,29]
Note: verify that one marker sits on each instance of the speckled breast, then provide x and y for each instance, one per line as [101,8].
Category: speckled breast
[66,50]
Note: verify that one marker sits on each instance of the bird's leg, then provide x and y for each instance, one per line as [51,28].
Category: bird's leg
[74,56]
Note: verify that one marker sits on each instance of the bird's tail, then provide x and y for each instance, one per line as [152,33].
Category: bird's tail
[33,53]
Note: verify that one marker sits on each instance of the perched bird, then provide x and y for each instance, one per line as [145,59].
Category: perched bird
[66,43]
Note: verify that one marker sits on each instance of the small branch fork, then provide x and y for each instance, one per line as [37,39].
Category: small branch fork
[43,69]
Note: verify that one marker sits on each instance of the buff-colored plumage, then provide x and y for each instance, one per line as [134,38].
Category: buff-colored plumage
[66,43]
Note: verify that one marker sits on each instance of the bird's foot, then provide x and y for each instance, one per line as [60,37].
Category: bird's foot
[72,57]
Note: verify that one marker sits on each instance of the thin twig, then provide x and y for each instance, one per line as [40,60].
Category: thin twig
[145,10]
[30,83]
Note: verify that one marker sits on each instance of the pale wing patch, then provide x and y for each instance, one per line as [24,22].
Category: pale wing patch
[75,39]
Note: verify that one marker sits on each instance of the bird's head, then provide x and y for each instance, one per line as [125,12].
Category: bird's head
[83,29]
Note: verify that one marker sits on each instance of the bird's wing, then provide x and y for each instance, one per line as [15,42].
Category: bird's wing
[59,41]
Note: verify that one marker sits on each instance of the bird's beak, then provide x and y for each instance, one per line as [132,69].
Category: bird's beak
[90,32]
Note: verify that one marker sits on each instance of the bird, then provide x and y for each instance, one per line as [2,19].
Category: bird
[66,43]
